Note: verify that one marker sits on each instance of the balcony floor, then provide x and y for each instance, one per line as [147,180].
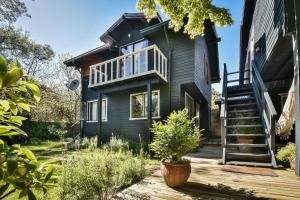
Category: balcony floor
[208,181]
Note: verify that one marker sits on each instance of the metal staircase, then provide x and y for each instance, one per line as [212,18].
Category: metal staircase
[248,121]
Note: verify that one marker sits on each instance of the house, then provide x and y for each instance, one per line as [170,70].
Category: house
[143,72]
[266,73]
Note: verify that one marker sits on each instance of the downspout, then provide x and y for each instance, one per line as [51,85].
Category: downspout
[170,50]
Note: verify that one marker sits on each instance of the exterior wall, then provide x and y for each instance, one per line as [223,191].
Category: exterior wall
[268,20]
[118,114]
[201,56]
[187,74]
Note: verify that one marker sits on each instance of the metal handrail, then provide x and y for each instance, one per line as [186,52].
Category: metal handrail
[266,109]
[223,112]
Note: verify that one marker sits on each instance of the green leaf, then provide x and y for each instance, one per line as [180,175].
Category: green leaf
[28,153]
[12,77]
[3,65]
[23,193]
[22,88]
[35,90]
[49,173]
[25,106]
[12,165]
[5,104]
[31,196]
[3,188]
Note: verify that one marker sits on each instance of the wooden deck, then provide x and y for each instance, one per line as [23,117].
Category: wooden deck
[208,181]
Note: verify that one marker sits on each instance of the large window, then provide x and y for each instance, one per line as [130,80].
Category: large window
[138,59]
[138,105]
[92,110]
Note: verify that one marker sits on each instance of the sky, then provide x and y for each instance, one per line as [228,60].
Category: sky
[74,26]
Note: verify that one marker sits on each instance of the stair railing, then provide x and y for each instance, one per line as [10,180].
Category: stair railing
[266,109]
[223,113]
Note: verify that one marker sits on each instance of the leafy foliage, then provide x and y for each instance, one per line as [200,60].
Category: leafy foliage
[116,144]
[190,14]
[19,167]
[214,96]
[100,175]
[175,137]
[286,153]
[11,10]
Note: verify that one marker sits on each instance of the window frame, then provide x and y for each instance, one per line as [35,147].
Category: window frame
[146,97]
[186,95]
[102,120]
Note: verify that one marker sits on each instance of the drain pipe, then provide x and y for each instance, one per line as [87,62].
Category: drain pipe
[170,50]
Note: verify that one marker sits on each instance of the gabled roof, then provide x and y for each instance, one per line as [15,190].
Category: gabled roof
[100,49]
[107,36]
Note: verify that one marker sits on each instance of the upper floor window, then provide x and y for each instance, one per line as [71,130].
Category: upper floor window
[136,60]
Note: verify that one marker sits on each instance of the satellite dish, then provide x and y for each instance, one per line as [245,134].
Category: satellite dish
[74,85]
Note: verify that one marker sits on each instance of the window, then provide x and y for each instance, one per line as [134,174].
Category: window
[198,114]
[92,110]
[138,59]
[189,105]
[138,105]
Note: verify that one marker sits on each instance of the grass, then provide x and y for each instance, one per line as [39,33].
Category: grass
[56,152]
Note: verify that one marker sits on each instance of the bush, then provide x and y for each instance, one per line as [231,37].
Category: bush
[100,175]
[116,144]
[286,153]
[175,137]
[45,130]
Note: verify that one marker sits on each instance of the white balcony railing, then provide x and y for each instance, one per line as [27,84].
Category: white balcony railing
[149,60]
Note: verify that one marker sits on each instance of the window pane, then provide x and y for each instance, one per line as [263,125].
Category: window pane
[128,65]
[138,106]
[155,104]
[127,49]
[104,111]
[94,111]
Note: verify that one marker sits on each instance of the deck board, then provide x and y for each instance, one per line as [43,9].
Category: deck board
[208,181]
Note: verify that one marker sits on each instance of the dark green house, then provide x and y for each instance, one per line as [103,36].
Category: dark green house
[143,72]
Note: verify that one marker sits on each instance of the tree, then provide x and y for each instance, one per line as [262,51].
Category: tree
[16,44]
[187,14]
[11,10]
[214,96]
[19,168]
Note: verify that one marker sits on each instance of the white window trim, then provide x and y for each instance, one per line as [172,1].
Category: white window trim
[87,108]
[143,118]
[185,99]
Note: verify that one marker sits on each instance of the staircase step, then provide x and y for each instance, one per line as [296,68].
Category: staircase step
[255,164]
[240,99]
[245,135]
[243,118]
[243,111]
[251,155]
[247,145]
[244,126]
[237,94]
[242,104]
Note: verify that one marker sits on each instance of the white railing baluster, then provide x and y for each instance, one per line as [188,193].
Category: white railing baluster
[146,61]
[99,72]
[154,55]
[111,70]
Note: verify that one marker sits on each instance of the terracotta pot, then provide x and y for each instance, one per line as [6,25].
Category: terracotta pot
[293,163]
[242,140]
[175,175]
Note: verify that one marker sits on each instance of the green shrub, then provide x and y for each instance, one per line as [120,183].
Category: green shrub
[175,137]
[116,144]
[100,175]
[286,153]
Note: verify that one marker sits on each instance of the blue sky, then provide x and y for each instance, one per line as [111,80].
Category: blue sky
[74,26]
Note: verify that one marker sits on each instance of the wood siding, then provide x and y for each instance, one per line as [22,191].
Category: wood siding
[268,22]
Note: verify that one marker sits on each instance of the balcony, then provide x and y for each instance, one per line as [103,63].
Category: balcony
[144,62]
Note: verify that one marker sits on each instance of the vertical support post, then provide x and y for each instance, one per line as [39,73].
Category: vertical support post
[99,117]
[296,45]
[149,108]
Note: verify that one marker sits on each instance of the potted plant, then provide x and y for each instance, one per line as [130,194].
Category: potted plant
[174,138]
[287,154]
